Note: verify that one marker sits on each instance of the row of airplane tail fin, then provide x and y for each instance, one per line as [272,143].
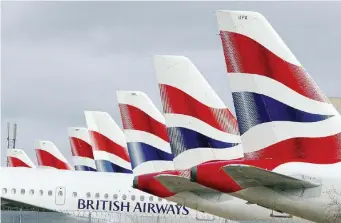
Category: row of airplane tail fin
[195,127]
[282,117]
[194,119]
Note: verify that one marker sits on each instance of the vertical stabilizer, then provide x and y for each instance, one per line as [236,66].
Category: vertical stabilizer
[281,111]
[18,158]
[146,133]
[48,155]
[82,154]
[108,143]
[200,127]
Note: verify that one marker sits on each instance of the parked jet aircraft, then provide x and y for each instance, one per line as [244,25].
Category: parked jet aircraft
[18,158]
[291,134]
[137,109]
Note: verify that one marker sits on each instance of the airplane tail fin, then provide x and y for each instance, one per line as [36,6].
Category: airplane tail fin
[146,133]
[48,155]
[281,111]
[108,143]
[201,128]
[83,157]
[18,158]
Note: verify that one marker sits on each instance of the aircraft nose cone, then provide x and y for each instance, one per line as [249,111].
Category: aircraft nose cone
[194,171]
[135,182]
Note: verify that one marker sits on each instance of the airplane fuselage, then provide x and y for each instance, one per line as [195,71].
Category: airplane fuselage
[63,191]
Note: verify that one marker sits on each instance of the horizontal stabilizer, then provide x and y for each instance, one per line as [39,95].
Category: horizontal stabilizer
[177,184]
[249,176]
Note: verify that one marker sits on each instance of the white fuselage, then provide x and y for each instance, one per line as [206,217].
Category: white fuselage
[112,192]
[67,191]
[319,204]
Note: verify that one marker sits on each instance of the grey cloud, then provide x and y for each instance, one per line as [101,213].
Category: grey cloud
[61,58]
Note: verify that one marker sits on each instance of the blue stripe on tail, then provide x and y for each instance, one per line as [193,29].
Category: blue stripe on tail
[253,109]
[107,166]
[84,168]
[140,153]
[183,139]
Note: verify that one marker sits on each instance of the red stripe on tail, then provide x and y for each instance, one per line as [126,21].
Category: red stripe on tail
[102,143]
[15,162]
[81,148]
[178,102]
[245,55]
[47,159]
[137,119]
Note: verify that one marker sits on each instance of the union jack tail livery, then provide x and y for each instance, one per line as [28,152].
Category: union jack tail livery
[200,127]
[108,143]
[281,111]
[146,133]
[83,157]
[48,155]
[18,158]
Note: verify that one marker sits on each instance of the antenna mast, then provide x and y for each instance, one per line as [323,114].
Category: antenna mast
[11,141]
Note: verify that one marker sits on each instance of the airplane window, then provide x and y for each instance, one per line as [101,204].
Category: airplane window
[22,191]
[31,191]
[97,195]
[14,191]
[133,197]
[88,194]
[151,198]
[106,196]
[74,194]
[124,197]
[41,192]
[4,190]
[50,192]
[160,199]
[141,198]
[60,193]
[115,196]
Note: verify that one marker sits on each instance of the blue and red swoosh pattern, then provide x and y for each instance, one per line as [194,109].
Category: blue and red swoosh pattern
[192,139]
[175,101]
[254,109]
[134,118]
[245,55]
[250,57]
[103,143]
[80,148]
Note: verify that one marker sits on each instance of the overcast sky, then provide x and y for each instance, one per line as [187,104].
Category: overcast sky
[61,58]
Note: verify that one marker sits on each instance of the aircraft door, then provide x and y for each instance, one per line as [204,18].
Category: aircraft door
[60,195]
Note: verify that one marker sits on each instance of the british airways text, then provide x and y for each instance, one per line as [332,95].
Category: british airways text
[105,205]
